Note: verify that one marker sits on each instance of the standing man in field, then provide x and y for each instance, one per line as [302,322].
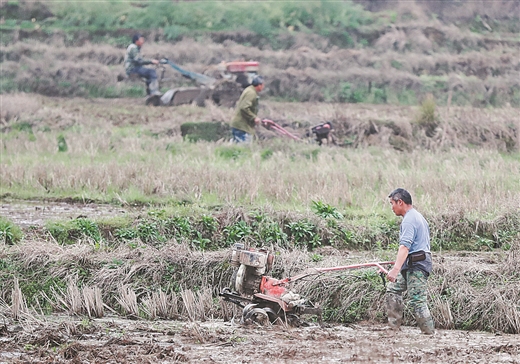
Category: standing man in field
[134,65]
[412,266]
[245,119]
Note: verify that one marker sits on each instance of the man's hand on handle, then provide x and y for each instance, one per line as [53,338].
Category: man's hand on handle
[154,61]
[392,274]
[402,254]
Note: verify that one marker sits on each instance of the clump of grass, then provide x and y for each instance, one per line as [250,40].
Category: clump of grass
[18,303]
[161,305]
[427,111]
[93,301]
[68,232]
[10,233]
[325,210]
[127,299]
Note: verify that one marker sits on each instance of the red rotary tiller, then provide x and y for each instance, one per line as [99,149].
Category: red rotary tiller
[264,298]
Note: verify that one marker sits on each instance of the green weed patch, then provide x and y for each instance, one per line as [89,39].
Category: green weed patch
[10,233]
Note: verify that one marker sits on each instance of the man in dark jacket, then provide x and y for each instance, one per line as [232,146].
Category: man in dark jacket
[245,119]
[134,64]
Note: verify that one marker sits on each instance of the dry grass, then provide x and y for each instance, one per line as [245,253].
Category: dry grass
[468,290]
[128,301]
[138,155]
[344,188]
[18,304]
[69,300]
[13,107]
[161,305]
[304,72]
[468,296]
[93,302]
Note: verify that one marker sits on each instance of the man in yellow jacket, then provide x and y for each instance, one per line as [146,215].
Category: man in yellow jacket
[245,119]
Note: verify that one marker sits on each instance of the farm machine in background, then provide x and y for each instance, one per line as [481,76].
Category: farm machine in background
[222,84]
[265,299]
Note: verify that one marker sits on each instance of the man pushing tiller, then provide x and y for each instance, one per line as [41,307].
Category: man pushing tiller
[412,266]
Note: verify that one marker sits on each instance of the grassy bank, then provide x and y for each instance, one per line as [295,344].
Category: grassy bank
[475,291]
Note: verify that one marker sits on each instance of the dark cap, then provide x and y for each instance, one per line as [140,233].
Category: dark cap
[136,37]
[258,80]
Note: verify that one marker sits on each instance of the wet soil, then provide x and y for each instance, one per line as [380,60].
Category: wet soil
[115,340]
[36,213]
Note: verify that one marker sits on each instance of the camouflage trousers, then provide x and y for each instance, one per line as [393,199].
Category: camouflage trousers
[415,282]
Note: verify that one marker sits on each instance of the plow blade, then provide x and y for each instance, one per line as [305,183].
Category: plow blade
[183,95]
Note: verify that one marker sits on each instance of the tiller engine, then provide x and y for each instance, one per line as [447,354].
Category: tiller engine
[266,299]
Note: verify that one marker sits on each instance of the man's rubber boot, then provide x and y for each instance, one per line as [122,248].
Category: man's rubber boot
[394,310]
[425,322]
[154,88]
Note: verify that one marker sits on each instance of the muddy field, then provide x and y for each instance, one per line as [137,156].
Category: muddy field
[34,213]
[113,340]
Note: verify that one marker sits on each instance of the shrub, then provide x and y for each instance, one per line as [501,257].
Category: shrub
[62,143]
[427,112]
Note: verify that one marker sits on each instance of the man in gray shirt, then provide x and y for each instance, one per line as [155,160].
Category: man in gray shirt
[412,266]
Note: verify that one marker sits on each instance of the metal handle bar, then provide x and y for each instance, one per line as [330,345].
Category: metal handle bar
[279,129]
[332,269]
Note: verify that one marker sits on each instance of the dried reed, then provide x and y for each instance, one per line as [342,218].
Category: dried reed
[69,300]
[93,301]
[192,305]
[127,299]
[18,304]
[161,305]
